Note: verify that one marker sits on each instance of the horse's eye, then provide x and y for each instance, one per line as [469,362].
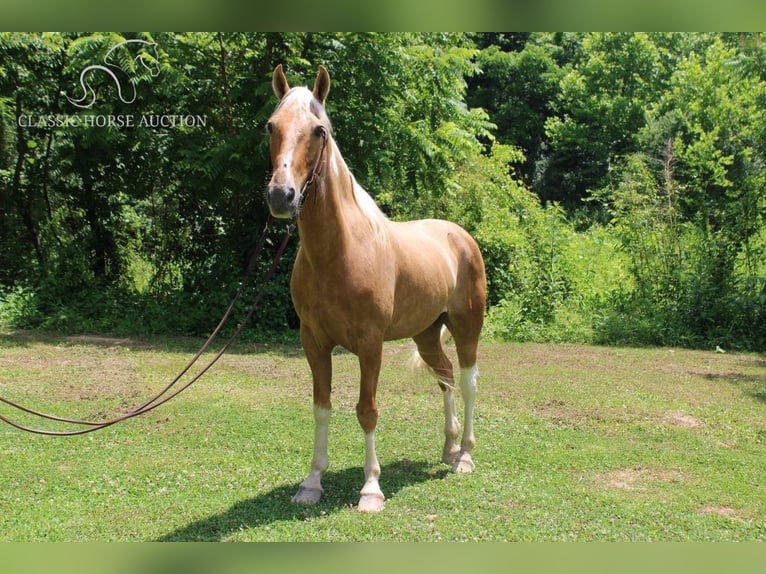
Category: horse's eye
[319,130]
[269,127]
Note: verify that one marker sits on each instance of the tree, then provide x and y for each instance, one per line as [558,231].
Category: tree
[517,84]
[29,65]
[599,110]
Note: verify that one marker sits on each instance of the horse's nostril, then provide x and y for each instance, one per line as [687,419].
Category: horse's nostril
[290,194]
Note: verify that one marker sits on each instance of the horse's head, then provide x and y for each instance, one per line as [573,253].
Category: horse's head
[298,129]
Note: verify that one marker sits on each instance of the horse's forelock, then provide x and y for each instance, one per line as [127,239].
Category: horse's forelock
[302,97]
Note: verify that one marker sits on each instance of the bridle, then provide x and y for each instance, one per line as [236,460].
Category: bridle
[316,171]
[170,391]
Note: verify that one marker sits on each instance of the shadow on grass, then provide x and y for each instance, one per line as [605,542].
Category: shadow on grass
[751,385]
[341,490]
[171,344]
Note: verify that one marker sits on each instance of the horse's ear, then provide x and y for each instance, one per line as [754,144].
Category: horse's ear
[322,85]
[279,82]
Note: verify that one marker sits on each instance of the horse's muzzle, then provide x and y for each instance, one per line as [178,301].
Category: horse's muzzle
[282,201]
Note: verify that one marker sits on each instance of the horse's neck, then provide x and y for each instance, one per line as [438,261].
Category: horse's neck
[330,218]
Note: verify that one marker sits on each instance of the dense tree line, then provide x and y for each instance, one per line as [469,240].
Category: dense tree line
[615,181]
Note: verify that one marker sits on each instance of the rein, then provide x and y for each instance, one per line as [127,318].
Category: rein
[165,394]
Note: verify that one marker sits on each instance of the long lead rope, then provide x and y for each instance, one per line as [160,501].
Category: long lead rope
[162,397]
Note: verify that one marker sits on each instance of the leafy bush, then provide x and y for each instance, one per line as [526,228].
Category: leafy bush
[687,288]
[18,308]
[545,280]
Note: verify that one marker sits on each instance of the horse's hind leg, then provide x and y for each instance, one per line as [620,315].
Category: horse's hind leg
[429,344]
[465,331]
[463,461]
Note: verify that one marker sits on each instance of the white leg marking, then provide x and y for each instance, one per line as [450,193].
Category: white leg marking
[371,499]
[464,462]
[310,490]
[451,426]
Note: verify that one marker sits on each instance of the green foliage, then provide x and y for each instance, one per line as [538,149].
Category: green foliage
[518,87]
[613,180]
[101,206]
[600,108]
[543,284]
[688,210]
[399,115]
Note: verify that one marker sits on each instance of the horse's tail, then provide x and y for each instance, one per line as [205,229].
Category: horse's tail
[418,365]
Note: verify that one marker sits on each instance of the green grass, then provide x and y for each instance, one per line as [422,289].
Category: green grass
[574,443]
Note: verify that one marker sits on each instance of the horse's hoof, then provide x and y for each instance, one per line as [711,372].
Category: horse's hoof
[372,502]
[307,495]
[463,463]
[449,455]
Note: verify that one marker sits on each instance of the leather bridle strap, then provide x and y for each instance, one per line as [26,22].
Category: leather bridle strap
[316,171]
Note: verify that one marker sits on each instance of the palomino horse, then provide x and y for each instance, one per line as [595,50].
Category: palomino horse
[360,279]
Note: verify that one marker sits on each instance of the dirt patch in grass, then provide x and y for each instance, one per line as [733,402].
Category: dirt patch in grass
[682,420]
[637,478]
[114,343]
[75,371]
[564,415]
[724,511]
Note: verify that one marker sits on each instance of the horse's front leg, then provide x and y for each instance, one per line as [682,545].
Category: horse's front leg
[371,497]
[320,361]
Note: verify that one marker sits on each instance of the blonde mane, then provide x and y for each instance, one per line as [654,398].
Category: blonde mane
[368,207]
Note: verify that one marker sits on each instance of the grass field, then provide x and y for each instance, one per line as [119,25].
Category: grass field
[574,443]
